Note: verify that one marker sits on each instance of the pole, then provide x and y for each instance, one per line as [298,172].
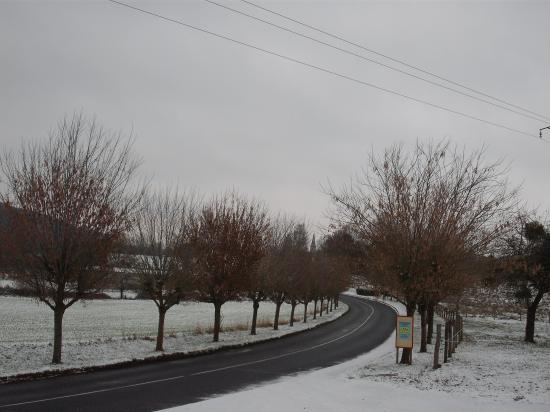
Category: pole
[436,348]
[446,348]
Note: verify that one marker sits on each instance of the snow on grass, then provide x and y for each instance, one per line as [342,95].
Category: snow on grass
[491,363]
[491,371]
[115,293]
[108,331]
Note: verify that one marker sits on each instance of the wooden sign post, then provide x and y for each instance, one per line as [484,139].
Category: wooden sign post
[404,330]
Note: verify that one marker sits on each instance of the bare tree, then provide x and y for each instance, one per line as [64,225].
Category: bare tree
[339,254]
[69,202]
[256,284]
[260,277]
[227,239]
[525,265]
[307,283]
[296,267]
[275,264]
[123,275]
[277,281]
[165,274]
[424,215]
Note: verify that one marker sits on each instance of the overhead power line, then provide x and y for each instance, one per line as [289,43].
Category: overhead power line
[387,66]
[322,69]
[393,59]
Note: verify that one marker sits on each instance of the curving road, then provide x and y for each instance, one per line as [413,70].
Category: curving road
[171,383]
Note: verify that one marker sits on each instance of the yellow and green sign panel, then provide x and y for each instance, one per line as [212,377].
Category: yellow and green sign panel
[404,332]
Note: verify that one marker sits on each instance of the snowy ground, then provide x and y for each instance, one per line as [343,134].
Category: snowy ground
[115,293]
[108,331]
[492,370]
[492,363]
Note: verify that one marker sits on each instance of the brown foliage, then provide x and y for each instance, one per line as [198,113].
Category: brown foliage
[227,239]
[426,217]
[68,207]
[164,270]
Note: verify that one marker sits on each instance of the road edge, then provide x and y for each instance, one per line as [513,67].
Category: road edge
[49,374]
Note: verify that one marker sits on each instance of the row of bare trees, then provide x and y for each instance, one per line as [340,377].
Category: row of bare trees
[73,202]
[421,226]
[429,221]
[227,249]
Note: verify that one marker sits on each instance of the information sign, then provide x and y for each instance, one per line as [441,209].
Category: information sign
[404,332]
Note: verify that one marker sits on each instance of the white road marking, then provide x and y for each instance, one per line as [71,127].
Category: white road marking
[115,388]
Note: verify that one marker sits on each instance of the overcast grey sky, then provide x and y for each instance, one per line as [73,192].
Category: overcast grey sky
[213,115]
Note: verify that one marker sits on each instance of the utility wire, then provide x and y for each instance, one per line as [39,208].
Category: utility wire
[393,59]
[539,119]
[319,68]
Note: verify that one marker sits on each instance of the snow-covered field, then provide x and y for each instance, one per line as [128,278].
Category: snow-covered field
[491,363]
[492,370]
[108,331]
[115,294]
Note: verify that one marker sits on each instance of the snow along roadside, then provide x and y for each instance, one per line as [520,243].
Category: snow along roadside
[92,356]
[341,387]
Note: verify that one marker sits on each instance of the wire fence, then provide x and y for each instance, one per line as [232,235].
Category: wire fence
[453,334]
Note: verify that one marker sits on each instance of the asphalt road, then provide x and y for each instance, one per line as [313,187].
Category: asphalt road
[166,384]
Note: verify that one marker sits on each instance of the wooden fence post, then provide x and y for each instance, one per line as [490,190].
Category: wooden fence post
[436,348]
[455,333]
[446,346]
[451,331]
[454,340]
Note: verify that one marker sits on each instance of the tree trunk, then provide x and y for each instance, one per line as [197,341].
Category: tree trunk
[336,302]
[423,328]
[430,322]
[255,306]
[530,324]
[315,309]
[436,364]
[305,312]
[217,320]
[531,315]
[326,309]
[451,337]
[293,306]
[446,343]
[331,303]
[406,355]
[58,313]
[277,310]
[321,307]
[160,332]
